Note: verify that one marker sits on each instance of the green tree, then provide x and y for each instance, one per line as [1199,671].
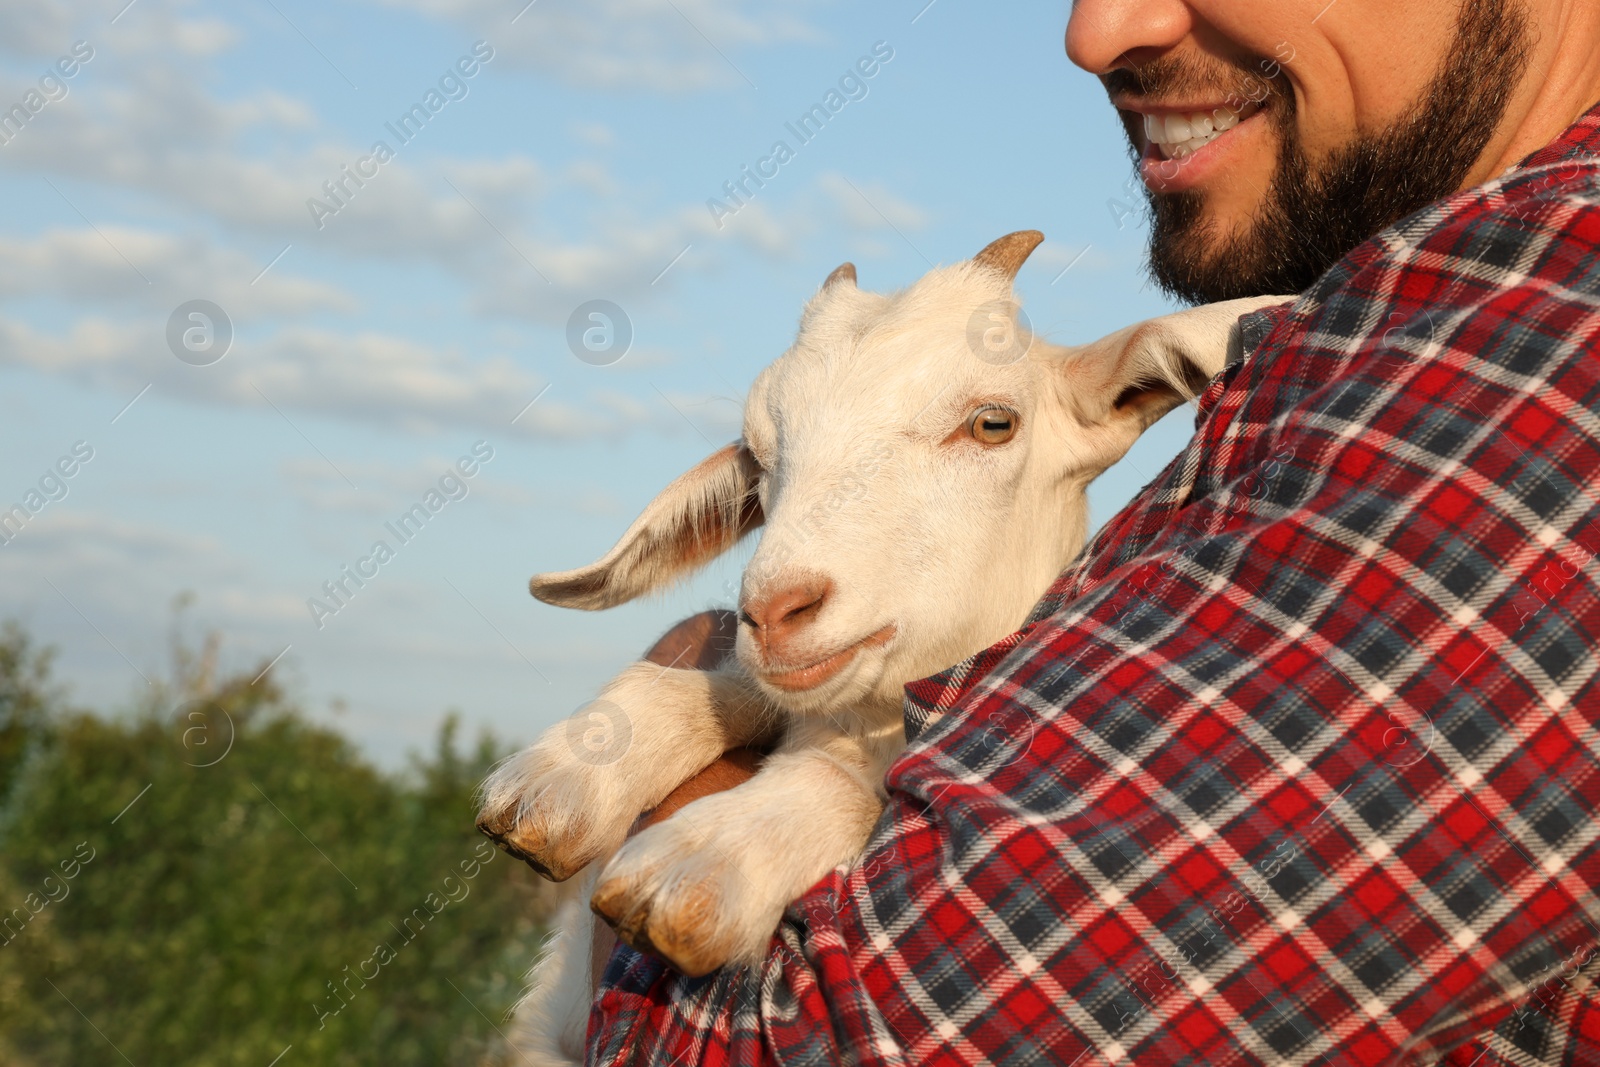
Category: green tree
[25,700]
[235,871]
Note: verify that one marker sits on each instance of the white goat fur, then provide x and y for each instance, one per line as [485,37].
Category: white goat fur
[856,448]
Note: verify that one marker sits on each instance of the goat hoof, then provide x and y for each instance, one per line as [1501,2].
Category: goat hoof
[680,932]
[675,932]
[614,902]
[524,840]
[629,918]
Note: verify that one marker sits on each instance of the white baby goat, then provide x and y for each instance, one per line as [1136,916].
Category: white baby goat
[920,465]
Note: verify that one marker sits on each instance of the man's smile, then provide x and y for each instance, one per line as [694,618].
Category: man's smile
[1177,134]
[1180,146]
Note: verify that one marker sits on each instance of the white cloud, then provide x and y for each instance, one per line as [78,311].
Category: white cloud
[251,162]
[367,376]
[125,264]
[116,570]
[239,170]
[670,46]
[1056,255]
[867,206]
[478,219]
[34,32]
[383,484]
[595,134]
[759,230]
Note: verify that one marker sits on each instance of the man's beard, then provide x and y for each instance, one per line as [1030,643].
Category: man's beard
[1309,219]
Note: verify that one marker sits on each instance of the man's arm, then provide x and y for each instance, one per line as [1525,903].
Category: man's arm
[1307,776]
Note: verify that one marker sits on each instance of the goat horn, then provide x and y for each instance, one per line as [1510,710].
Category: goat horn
[844,272]
[1007,254]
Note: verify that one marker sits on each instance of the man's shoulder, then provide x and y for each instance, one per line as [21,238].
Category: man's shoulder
[1533,229]
[1503,277]
[1551,197]
[1525,203]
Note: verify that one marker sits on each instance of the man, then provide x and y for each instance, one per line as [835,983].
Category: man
[1298,763]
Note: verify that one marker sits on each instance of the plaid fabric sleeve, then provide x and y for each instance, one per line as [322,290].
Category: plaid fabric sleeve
[1303,772]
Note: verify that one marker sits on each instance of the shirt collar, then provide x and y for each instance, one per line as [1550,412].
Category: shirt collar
[1246,336]
[1251,329]
[1580,139]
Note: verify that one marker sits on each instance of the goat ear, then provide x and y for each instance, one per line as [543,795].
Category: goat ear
[695,519]
[844,272]
[1008,253]
[1138,374]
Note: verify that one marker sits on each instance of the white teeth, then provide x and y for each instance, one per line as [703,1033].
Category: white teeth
[1181,135]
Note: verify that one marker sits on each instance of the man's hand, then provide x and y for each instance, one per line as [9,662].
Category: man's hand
[699,642]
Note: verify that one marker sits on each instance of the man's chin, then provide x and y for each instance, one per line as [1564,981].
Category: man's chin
[1192,256]
[1201,253]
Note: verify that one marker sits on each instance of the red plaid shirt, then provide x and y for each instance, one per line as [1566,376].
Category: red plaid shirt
[1298,762]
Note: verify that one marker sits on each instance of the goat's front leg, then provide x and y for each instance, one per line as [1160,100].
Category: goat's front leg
[709,885]
[572,795]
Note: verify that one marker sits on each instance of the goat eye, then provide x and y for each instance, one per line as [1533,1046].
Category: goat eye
[993,426]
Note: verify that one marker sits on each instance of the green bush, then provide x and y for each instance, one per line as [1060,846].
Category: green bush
[211,885]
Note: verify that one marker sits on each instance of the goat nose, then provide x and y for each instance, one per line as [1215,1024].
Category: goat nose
[778,617]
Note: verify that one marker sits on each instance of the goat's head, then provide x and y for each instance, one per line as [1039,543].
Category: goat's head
[920,464]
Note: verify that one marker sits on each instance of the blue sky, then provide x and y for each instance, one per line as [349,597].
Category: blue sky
[375,345]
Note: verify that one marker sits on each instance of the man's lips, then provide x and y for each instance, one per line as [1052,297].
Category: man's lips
[797,679]
[1176,132]
[1177,149]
